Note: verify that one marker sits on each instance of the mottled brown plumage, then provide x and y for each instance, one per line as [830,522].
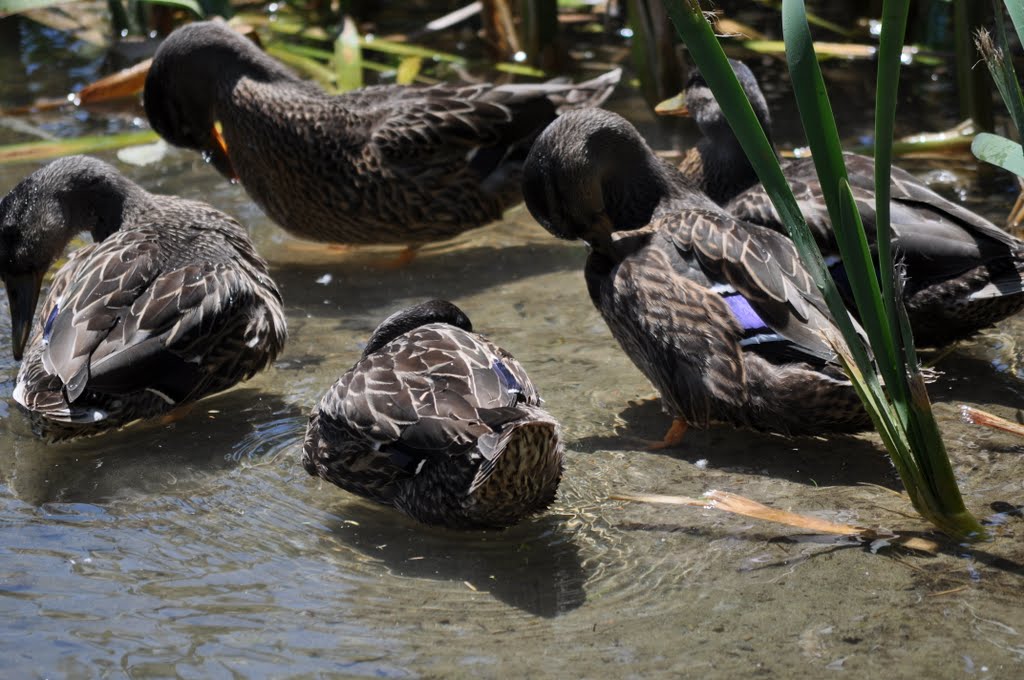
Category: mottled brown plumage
[386,164]
[962,272]
[720,315]
[170,304]
[438,422]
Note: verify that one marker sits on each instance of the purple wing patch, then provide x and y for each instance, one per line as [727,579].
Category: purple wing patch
[508,381]
[745,314]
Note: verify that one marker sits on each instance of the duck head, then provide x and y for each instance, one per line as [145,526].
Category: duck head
[411,318]
[41,215]
[194,66]
[590,173]
[696,101]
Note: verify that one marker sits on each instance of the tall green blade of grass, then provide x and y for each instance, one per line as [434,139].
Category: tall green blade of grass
[928,447]
[927,472]
[890,50]
[904,422]
[827,153]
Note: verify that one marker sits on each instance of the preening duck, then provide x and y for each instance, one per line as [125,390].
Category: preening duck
[387,164]
[719,315]
[169,304]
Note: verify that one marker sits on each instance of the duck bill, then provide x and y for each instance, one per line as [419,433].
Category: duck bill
[676,106]
[22,296]
[218,156]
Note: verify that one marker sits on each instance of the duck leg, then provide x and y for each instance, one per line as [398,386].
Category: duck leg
[672,438]
[387,262]
[176,414]
[318,248]
[403,258]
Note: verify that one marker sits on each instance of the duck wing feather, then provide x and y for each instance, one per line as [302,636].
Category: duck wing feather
[130,323]
[433,392]
[764,268]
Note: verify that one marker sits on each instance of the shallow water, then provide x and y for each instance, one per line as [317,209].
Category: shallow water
[202,549]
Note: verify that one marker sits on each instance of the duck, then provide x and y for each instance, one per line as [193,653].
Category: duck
[962,273]
[168,304]
[718,314]
[438,422]
[389,164]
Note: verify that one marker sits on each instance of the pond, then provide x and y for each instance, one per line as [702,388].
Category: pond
[202,549]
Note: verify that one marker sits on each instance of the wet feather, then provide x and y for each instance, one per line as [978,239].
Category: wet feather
[438,422]
[171,305]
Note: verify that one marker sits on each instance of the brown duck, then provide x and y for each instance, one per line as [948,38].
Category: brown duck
[719,315]
[169,304]
[962,272]
[439,423]
[386,164]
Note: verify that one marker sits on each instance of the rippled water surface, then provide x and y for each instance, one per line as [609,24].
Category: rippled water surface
[202,549]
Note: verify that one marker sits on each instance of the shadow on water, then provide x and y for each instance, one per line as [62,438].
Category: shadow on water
[359,286]
[966,378]
[147,457]
[838,461]
[535,567]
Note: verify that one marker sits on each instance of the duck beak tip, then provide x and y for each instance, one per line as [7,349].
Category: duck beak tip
[22,296]
[219,156]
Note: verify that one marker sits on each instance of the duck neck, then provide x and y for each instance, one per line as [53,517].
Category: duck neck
[101,201]
[723,169]
[638,192]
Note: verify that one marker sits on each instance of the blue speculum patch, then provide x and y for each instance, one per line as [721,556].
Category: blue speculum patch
[508,380]
[48,326]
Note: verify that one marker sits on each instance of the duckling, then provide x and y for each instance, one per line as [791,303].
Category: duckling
[388,164]
[169,304]
[963,273]
[718,314]
[438,422]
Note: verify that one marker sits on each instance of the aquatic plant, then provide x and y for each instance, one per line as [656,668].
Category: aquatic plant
[888,378]
[989,147]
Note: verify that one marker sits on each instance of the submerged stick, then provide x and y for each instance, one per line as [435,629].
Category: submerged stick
[740,505]
[975,416]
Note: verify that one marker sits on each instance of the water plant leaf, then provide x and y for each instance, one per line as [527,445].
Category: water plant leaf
[16,6]
[975,416]
[1001,69]
[1000,151]
[34,151]
[125,83]
[293,57]
[348,57]
[1016,10]
[408,69]
[190,5]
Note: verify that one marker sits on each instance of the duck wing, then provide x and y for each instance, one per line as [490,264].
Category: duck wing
[927,226]
[434,392]
[424,127]
[128,322]
[758,274]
